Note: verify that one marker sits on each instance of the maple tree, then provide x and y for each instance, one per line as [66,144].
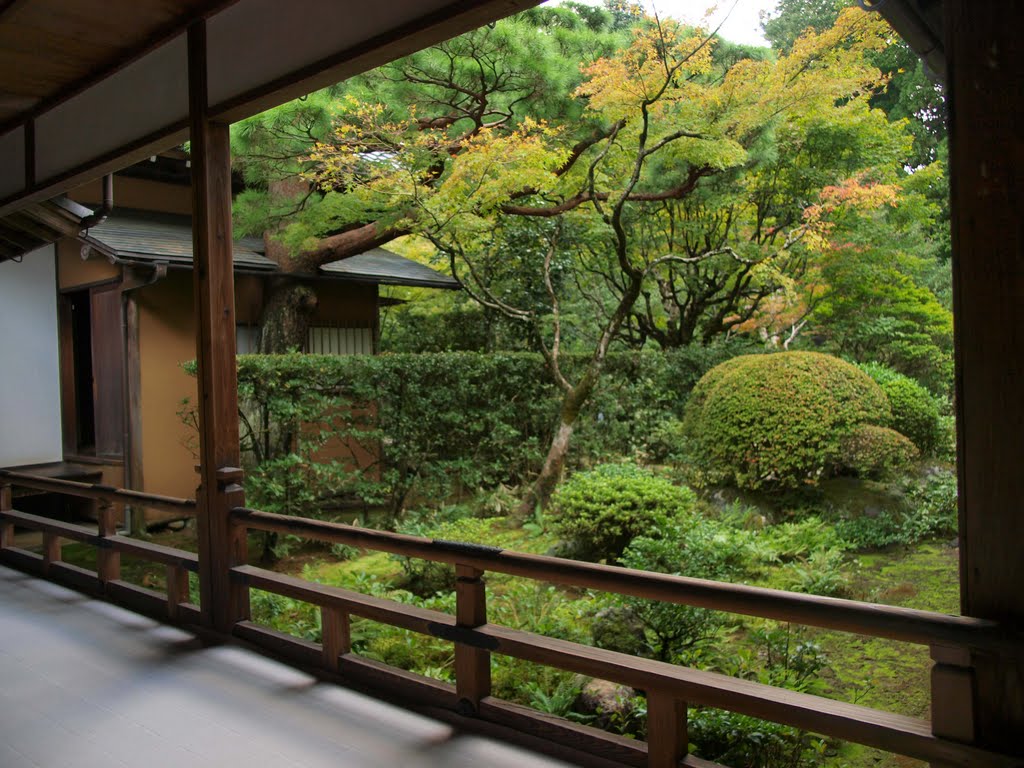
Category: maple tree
[657,119]
[589,185]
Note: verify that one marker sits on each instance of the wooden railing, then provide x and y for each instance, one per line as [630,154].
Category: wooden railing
[174,604]
[670,690]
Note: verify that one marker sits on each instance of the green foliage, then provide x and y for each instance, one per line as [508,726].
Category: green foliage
[694,547]
[916,412]
[876,452]
[778,421]
[319,432]
[778,656]
[820,574]
[932,511]
[877,305]
[600,511]
[798,540]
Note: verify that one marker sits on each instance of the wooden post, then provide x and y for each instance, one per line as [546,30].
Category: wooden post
[952,695]
[51,550]
[177,590]
[221,545]
[667,740]
[472,665]
[6,527]
[337,637]
[108,562]
[986,67]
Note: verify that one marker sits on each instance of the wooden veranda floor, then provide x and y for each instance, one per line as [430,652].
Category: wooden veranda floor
[86,684]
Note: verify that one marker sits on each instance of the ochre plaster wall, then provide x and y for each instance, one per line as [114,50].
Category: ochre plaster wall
[73,272]
[141,194]
[166,339]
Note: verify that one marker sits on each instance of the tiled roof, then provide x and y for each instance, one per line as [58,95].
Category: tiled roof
[382,266]
[142,236]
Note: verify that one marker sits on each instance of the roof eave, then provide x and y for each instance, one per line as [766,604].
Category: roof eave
[922,30]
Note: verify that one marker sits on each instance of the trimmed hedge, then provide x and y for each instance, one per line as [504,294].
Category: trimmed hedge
[440,423]
[779,420]
[916,412]
[877,452]
[599,512]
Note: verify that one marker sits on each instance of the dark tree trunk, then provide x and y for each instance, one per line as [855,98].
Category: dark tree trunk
[286,317]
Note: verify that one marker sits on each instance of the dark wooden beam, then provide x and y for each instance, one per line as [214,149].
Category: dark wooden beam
[986,68]
[221,545]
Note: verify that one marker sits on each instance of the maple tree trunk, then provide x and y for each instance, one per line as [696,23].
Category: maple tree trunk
[544,485]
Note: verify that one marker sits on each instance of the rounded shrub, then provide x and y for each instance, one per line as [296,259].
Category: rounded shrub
[876,452]
[916,412]
[600,511]
[779,420]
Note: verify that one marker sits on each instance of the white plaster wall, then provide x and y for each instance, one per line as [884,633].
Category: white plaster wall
[29,362]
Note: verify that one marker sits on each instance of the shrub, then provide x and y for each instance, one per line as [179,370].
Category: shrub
[692,547]
[820,574]
[774,656]
[320,432]
[798,540]
[876,452]
[932,511]
[916,412]
[600,511]
[778,421]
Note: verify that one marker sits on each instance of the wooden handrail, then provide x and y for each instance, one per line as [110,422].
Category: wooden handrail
[99,492]
[670,689]
[145,550]
[904,624]
[890,732]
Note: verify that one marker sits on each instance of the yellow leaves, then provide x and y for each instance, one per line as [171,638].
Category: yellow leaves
[490,167]
[656,67]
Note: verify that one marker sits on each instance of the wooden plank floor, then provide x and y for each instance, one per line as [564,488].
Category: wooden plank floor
[85,684]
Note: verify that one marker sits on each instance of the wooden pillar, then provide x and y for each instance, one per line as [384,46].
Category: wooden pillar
[221,545]
[986,68]
[336,636]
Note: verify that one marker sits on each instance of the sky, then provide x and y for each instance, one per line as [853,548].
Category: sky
[742,26]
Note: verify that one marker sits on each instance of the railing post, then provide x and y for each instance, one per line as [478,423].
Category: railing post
[953,692]
[667,740]
[229,482]
[51,550]
[6,527]
[336,636]
[108,562]
[472,665]
[177,590]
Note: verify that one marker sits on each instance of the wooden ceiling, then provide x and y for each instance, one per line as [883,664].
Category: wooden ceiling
[50,49]
[91,86]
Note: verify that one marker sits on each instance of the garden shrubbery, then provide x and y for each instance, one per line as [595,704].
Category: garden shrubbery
[600,511]
[874,452]
[916,412]
[779,421]
[321,431]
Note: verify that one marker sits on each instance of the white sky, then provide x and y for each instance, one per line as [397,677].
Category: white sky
[742,26]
